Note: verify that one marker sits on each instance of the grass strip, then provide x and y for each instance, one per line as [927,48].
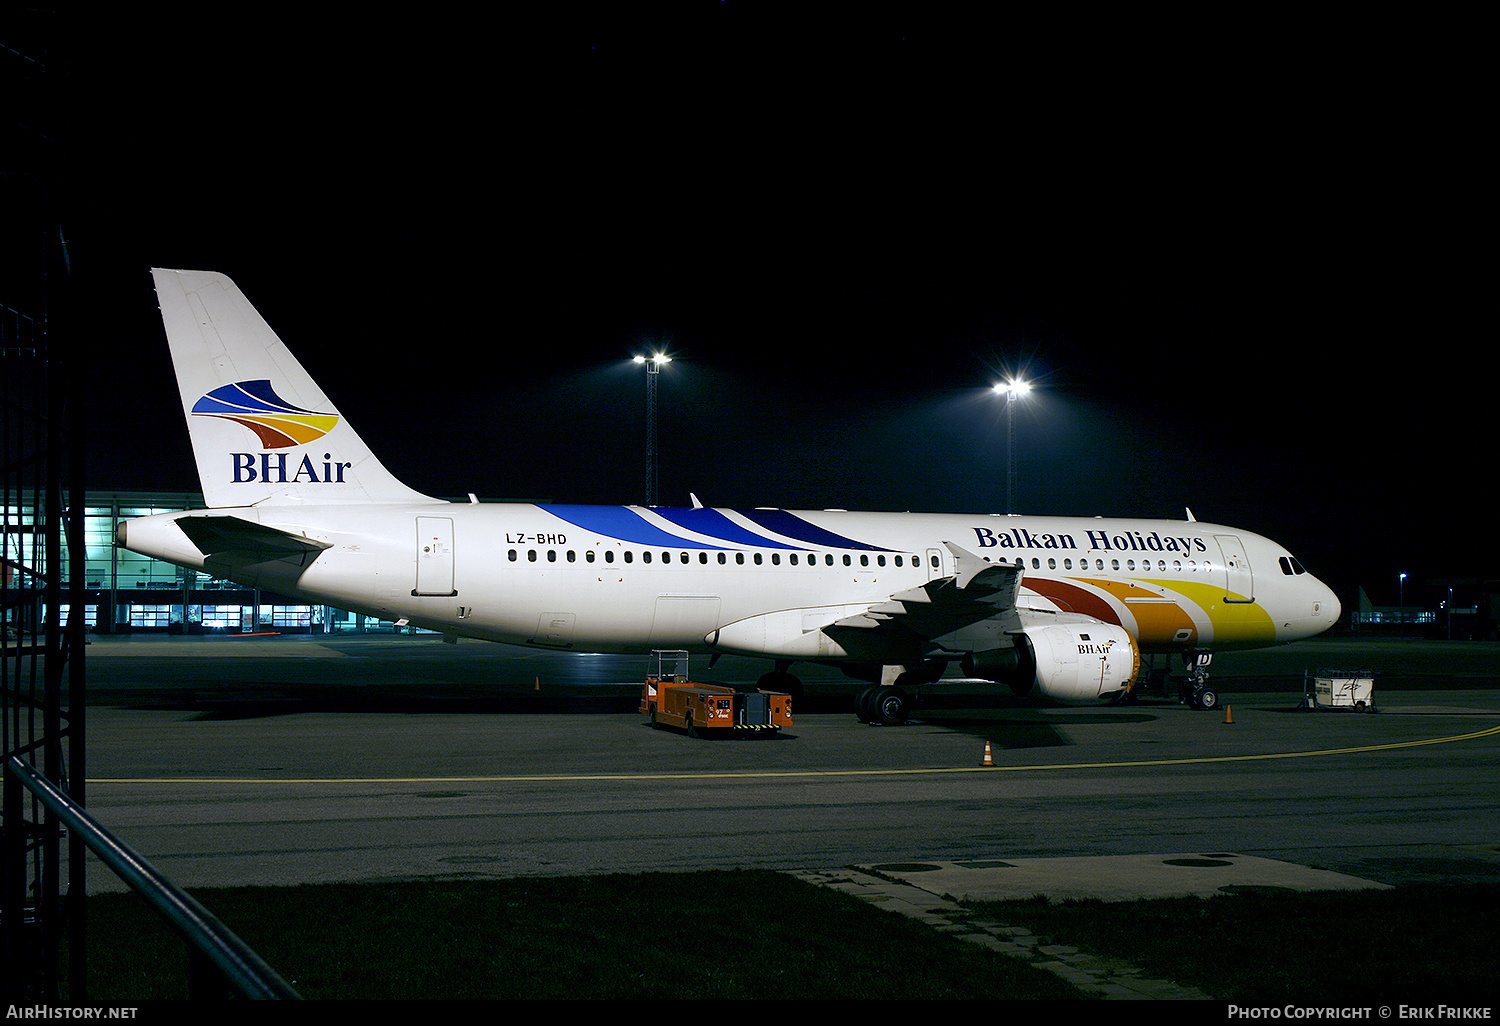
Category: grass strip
[726,935]
[757,935]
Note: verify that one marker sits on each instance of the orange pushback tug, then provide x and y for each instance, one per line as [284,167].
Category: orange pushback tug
[671,699]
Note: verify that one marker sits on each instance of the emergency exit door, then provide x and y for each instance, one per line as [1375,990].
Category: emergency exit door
[434,556]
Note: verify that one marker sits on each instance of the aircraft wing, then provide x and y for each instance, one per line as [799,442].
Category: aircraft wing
[230,540]
[978,594]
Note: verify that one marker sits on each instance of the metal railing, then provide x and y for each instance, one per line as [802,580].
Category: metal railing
[221,965]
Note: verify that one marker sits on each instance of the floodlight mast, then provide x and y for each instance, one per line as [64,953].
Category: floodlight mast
[1015,388]
[653,366]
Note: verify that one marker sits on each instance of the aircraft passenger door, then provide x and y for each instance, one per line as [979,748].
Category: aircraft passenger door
[434,556]
[1239,583]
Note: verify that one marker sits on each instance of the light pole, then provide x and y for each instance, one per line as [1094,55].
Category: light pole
[1013,389]
[653,368]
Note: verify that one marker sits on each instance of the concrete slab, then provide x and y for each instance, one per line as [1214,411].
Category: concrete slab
[1113,877]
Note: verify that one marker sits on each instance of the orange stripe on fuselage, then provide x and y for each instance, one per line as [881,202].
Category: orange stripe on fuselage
[1157,622]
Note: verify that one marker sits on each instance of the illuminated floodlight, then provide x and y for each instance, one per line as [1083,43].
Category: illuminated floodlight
[657,359]
[1015,388]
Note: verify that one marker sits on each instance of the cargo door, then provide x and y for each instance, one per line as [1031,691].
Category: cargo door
[554,630]
[434,556]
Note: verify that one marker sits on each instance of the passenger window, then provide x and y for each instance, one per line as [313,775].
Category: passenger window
[531,555]
[723,558]
[757,559]
[1036,564]
[552,555]
[775,559]
[629,556]
[864,560]
[572,556]
[793,558]
[702,557]
[1114,564]
[589,556]
[512,555]
[739,557]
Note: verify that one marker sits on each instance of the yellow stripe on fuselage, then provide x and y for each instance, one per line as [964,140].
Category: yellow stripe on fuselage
[1165,609]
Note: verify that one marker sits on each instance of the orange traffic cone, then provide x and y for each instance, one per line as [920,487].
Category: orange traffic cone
[1229,714]
[988,761]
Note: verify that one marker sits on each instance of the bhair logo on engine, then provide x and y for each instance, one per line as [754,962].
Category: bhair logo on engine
[279,425]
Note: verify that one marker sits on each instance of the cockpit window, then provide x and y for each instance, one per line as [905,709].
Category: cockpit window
[1291,567]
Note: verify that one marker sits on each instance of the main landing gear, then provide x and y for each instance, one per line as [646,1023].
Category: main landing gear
[891,701]
[885,704]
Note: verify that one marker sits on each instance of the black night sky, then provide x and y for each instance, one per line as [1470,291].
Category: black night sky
[1237,260]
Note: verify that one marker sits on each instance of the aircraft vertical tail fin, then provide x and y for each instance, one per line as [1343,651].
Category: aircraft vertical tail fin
[263,433]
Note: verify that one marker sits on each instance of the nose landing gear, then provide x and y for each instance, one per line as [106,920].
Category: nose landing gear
[1195,692]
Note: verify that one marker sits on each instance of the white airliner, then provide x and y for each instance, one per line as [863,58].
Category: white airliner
[1057,608]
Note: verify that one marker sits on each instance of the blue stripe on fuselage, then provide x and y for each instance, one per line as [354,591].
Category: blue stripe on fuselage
[623,524]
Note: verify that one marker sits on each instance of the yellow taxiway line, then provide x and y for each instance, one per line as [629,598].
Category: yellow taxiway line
[719,775]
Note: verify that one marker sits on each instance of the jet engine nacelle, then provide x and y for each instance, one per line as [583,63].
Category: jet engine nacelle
[1069,663]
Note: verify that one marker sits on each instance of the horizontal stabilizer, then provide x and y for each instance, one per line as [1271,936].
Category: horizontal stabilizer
[249,542]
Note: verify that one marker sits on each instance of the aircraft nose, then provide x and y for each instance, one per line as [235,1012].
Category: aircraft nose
[1334,608]
[1327,607]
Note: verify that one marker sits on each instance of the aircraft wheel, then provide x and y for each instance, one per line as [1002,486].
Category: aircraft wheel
[892,705]
[781,681]
[1207,699]
[864,705]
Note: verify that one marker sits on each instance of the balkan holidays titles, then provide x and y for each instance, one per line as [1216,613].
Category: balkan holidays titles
[1099,541]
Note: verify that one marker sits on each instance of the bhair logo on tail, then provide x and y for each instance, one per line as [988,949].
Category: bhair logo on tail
[255,404]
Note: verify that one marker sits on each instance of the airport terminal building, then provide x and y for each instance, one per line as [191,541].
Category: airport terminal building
[129,592]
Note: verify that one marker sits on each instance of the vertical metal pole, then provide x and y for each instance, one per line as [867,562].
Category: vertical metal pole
[1010,443]
[13,880]
[653,368]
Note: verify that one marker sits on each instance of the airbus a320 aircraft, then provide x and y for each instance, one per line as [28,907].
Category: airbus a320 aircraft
[1057,608]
